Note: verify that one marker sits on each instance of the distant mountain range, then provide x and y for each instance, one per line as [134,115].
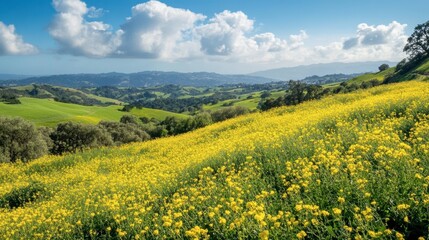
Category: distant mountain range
[141,79]
[13,76]
[203,79]
[301,72]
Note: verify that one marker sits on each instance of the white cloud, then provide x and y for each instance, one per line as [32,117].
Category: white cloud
[94,12]
[75,7]
[156,30]
[78,36]
[268,42]
[298,40]
[13,44]
[228,36]
[368,35]
[225,34]
[381,42]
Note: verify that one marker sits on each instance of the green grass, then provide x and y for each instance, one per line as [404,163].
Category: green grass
[47,112]
[104,99]
[424,68]
[249,103]
[370,76]
[155,113]
[217,106]
[277,94]
[331,85]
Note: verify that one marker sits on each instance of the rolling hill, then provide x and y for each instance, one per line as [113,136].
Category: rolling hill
[419,71]
[47,112]
[371,76]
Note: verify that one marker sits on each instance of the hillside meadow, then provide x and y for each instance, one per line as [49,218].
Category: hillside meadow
[347,166]
[47,112]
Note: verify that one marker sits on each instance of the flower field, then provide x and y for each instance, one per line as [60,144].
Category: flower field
[347,166]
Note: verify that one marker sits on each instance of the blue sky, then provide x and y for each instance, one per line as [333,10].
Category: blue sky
[240,36]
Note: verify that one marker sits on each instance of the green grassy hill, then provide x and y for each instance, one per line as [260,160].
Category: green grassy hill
[370,76]
[423,68]
[419,72]
[47,112]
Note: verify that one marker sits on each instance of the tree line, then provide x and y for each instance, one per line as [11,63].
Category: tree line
[20,140]
[180,105]
[298,92]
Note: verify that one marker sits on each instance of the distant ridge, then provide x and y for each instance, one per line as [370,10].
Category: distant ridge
[140,79]
[301,72]
[13,76]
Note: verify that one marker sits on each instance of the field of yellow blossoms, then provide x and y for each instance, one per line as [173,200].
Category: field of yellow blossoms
[351,166]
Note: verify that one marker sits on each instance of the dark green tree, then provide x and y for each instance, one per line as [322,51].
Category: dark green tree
[265,94]
[295,93]
[72,137]
[46,132]
[202,119]
[129,119]
[418,43]
[313,92]
[173,125]
[124,133]
[383,67]
[20,140]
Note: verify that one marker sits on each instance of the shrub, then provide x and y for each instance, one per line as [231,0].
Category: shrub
[383,67]
[72,137]
[20,140]
[230,112]
[124,133]
[129,119]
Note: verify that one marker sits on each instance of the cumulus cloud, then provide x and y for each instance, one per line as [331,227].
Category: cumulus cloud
[268,42]
[78,36]
[371,42]
[225,34]
[369,35]
[13,44]
[156,30]
[228,36]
